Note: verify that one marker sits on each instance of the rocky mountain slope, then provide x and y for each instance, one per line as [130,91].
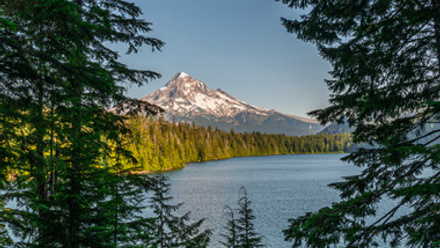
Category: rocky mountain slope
[188,99]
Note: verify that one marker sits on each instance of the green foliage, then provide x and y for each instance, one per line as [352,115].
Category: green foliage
[57,78]
[169,229]
[159,145]
[240,231]
[231,231]
[247,237]
[386,69]
[5,239]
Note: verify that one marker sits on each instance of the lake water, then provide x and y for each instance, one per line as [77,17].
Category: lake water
[280,187]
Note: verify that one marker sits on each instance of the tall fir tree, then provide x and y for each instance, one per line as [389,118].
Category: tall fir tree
[247,236]
[57,78]
[239,231]
[168,228]
[230,234]
[386,75]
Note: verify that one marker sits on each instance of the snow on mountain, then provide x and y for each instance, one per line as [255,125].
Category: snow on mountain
[183,95]
[188,99]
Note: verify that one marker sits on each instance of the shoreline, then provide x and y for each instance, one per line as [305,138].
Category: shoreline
[12,176]
[197,162]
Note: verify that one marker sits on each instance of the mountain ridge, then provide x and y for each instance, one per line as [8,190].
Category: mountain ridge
[187,99]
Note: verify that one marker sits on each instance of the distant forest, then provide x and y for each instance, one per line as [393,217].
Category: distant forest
[159,145]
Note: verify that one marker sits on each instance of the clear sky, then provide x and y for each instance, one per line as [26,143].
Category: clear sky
[239,46]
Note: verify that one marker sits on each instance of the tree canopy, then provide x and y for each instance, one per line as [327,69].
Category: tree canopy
[58,75]
[385,82]
[239,232]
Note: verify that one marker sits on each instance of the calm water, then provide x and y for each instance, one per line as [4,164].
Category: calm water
[280,187]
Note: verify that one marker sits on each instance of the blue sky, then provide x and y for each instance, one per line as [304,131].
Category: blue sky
[238,46]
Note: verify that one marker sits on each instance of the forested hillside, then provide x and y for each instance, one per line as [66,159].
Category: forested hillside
[160,145]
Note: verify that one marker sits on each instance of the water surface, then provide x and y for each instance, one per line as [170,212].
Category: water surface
[280,187]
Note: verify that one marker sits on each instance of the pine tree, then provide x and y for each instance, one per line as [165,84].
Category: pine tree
[57,78]
[231,231]
[239,231]
[169,229]
[386,70]
[247,236]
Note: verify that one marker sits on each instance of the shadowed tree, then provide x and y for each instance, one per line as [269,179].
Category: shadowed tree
[57,78]
[168,228]
[239,231]
[247,236]
[385,82]
[231,231]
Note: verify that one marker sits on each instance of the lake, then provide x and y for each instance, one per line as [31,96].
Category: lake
[280,187]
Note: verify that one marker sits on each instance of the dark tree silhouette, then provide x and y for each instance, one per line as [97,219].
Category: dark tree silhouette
[230,234]
[247,236]
[240,230]
[57,78]
[167,227]
[385,83]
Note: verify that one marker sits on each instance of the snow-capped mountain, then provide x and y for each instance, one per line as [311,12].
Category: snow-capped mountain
[183,95]
[188,99]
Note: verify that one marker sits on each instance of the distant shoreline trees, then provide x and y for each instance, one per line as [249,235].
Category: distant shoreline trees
[160,145]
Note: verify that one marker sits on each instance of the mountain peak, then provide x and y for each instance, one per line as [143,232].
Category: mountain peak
[181,75]
[185,95]
[190,99]
[184,82]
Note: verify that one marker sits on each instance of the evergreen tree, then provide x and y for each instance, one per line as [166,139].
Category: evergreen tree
[239,231]
[57,77]
[169,229]
[247,237]
[386,70]
[231,231]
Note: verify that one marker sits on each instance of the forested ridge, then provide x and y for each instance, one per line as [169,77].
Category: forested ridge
[159,145]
